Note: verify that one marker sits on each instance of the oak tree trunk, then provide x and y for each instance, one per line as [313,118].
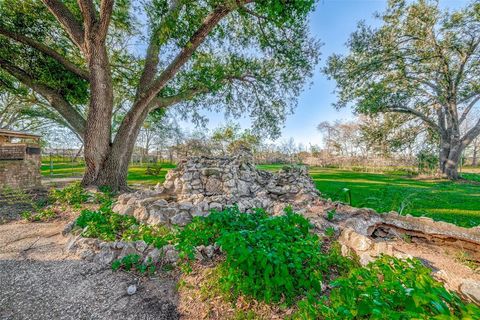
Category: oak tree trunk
[450,155]
[98,128]
[113,170]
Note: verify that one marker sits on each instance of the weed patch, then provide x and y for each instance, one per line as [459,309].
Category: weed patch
[73,194]
[134,263]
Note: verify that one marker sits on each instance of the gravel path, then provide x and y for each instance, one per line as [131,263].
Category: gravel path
[39,280]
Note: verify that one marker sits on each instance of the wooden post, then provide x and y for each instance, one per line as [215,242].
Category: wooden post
[51,165]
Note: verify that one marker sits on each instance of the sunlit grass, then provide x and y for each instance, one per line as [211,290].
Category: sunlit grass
[136,173]
[440,199]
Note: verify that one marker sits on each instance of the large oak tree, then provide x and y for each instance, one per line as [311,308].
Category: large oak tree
[422,62]
[85,59]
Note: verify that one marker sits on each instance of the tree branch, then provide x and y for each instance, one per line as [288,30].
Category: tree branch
[471,134]
[468,109]
[464,62]
[164,102]
[414,112]
[67,20]
[88,12]
[48,51]
[151,60]
[182,57]
[56,100]
[106,9]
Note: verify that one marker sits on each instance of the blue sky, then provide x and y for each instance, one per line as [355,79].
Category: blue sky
[332,22]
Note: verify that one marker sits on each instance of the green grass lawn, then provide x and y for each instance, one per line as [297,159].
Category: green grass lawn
[455,202]
[136,173]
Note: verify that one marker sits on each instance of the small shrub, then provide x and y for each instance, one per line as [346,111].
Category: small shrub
[427,161]
[104,224]
[388,288]
[153,170]
[158,236]
[73,194]
[45,215]
[26,215]
[207,230]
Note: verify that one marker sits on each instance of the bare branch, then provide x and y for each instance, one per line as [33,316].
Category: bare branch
[46,50]
[67,20]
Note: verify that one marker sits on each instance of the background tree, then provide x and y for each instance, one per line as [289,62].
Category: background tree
[342,138]
[421,62]
[391,134]
[243,57]
[230,138]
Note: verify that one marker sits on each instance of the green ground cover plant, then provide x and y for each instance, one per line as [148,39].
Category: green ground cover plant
[388,288]
[269,258]
[110,226]
[279,260]
[73,194]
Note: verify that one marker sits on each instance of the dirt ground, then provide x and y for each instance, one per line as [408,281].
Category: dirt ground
[39,280]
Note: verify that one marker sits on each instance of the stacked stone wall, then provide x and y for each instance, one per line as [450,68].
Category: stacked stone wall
[201,184]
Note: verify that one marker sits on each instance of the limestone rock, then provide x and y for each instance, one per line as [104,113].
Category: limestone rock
[105,256]
[181,219]
[471,289]
[141,213]
[132,289]
[128,249]
[170,254]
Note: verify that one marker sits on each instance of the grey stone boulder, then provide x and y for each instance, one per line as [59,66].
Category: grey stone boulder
[181,219]
[105,256]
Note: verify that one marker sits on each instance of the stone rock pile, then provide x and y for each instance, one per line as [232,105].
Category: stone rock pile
[201,184]
[104,253]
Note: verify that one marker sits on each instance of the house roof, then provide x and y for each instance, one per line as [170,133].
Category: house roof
[18,134]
